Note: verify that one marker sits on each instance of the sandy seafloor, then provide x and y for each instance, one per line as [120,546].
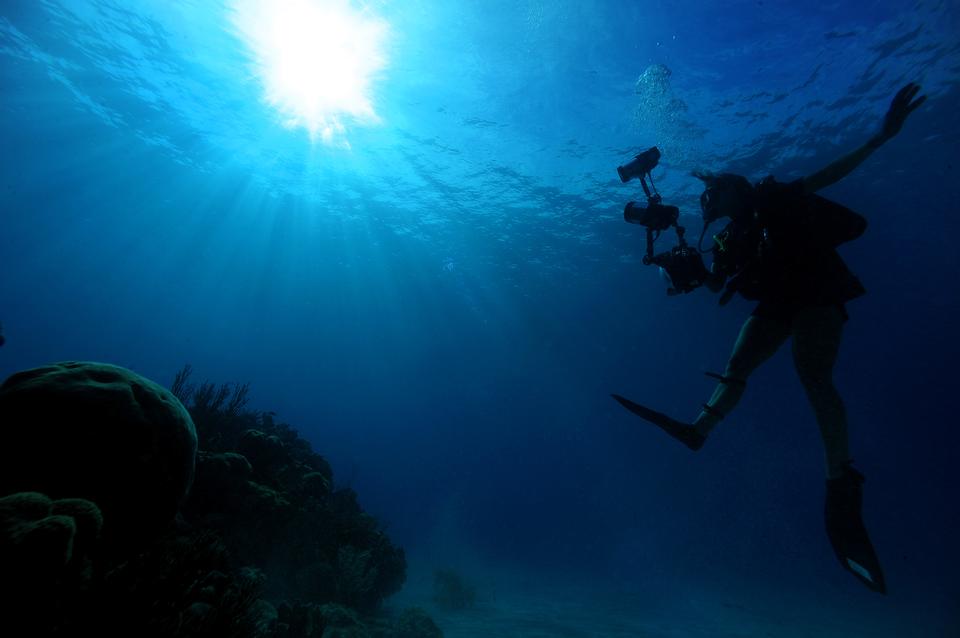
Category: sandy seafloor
[512,605]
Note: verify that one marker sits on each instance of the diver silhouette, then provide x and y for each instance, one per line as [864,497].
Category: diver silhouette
[779,249]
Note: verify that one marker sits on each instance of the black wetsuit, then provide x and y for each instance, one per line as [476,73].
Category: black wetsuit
[784,255]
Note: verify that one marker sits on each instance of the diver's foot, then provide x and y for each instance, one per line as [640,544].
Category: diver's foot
[847,533]
[689,436]
[683,432]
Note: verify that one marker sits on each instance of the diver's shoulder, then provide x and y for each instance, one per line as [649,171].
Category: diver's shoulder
[772,185]
[773,194]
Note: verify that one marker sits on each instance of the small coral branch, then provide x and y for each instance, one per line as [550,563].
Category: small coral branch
[228,399]
[218,411]
[181,387]
[238,401]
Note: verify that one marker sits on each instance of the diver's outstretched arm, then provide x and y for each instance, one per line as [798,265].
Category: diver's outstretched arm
[903,105]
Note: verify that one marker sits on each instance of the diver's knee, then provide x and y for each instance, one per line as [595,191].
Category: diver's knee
[817,383]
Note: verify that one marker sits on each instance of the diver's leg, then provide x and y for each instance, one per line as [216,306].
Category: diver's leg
[816,342]
[759,339]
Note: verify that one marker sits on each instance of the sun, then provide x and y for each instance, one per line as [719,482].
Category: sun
[316,59]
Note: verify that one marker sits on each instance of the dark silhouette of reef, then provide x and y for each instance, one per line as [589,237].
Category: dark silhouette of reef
[127,509]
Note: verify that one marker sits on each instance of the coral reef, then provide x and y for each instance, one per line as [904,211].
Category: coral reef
[260,485]
[46,550]
[264,545]
[184,585]
[415,623]
[102,433]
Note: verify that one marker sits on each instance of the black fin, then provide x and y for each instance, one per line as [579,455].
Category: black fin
[847,533]
[683,432]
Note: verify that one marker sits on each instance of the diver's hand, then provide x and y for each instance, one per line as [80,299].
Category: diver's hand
[715,278]
[903,105]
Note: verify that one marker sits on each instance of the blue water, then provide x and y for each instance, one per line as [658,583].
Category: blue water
[442,298]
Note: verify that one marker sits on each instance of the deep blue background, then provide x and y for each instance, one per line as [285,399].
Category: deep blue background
[444,307]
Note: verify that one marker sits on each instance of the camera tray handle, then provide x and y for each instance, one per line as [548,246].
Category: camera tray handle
[648,258]
[655,198]
[650,239]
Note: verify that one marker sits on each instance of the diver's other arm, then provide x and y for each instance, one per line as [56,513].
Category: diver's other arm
[903,105]
[715,279]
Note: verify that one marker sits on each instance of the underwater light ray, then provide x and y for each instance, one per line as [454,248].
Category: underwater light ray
[316,60]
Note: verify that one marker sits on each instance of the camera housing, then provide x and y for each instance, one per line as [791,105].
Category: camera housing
[683,266]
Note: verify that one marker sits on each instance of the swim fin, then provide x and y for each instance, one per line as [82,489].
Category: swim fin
[847,533]
[683,432]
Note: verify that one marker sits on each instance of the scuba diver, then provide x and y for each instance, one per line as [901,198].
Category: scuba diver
[779,249]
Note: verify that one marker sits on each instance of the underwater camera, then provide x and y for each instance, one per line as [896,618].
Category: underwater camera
[682,265]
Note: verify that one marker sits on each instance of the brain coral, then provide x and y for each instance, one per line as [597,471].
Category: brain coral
[102,433]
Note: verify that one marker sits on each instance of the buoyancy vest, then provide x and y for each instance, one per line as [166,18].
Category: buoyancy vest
[785,252]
